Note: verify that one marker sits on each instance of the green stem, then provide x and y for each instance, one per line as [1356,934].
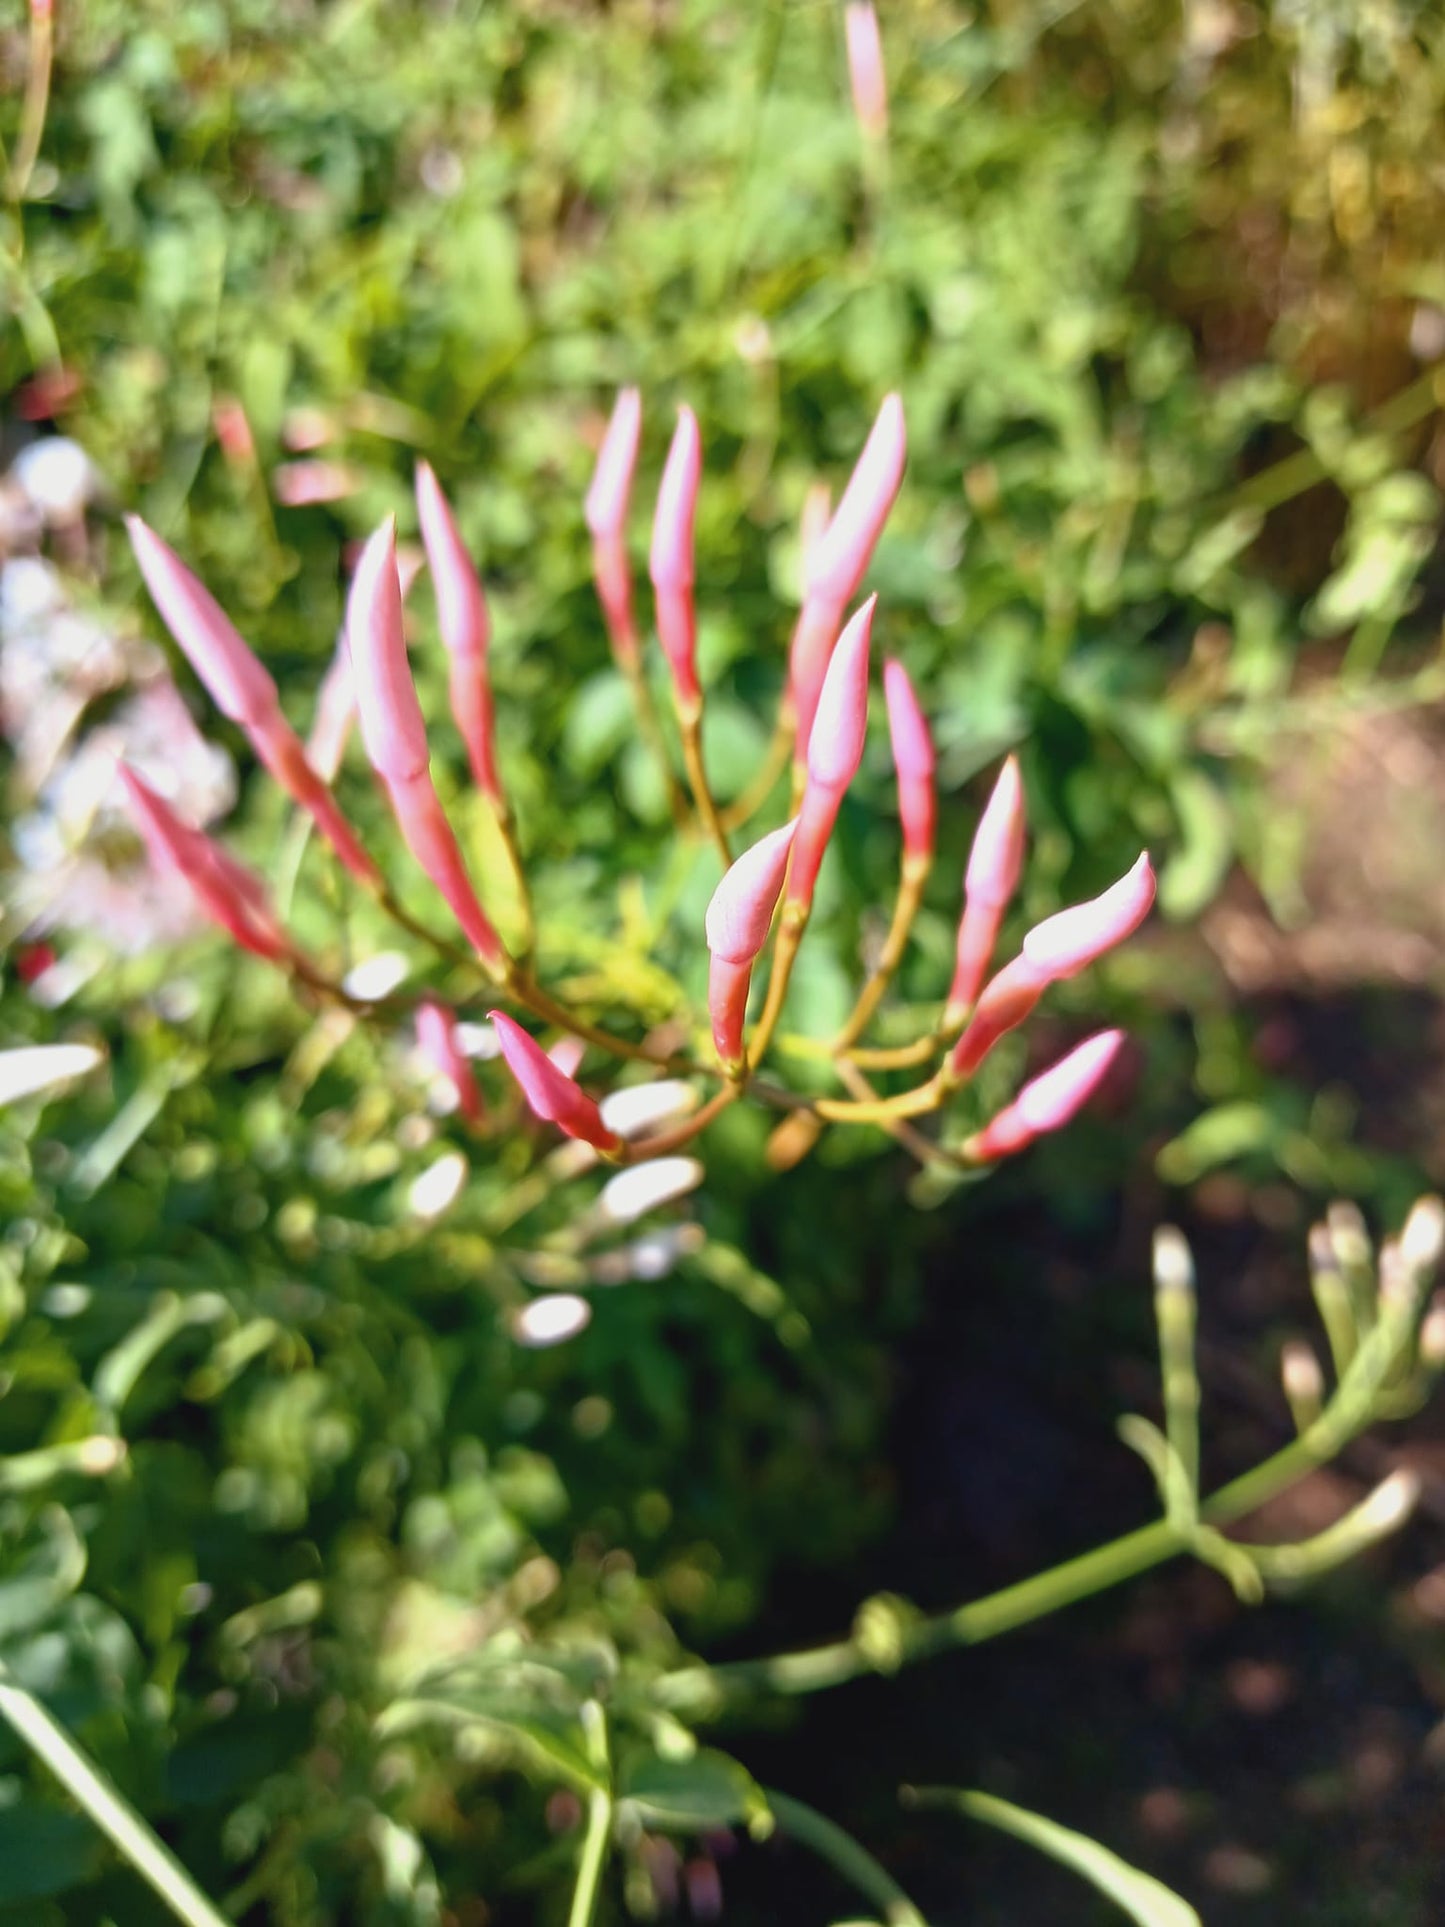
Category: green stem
[844,1854]
[597,1839]
[819,1667]
[94,1794]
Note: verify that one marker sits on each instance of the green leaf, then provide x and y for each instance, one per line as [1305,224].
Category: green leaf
[44,1851]
[709,1790]
[1141,1896]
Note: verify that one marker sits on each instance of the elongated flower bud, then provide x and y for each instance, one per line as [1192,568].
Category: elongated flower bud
[611,491]
[1007,999]
[233,675]
[994,865]
[913,759]
[465,629]
[1065,944]
[240,687]
[835,749]
[436,1035]
[1048,1102]
[672,556]
[738,920]
[386,702]
[606,508]
[395,735]
[865,68]
[840,558]
[551,1094]
[225,890]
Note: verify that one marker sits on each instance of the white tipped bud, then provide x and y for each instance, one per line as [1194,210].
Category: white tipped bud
[1387,1508]
[1299,1370]
[1349,1235]
[1423,1238]
[98,1454]
[1173,1260]
[1432,1334]
[438,1187]
[551,1320]
[646,1107]
[645,1187]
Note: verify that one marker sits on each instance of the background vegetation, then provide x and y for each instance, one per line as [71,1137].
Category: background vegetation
[1161,290]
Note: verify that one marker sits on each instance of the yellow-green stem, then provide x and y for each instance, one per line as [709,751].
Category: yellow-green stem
[689,723]
[905,909]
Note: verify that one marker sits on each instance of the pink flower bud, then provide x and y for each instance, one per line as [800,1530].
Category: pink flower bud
[240,687]
[395,735]
[913,759]
[842,557]
[436,1034]
[741,912]
[606,510]
[865,68]
[237,683]
[461,606]
[738,920]
[225,890]
[994,866]
[611,490]
[1048,1102]
[835,750]
[1063,945]
[551,1094]
[567,1054]
[465,630]
[1005,1003]
[386,703]
[839,559]
[672,556]
[423,823]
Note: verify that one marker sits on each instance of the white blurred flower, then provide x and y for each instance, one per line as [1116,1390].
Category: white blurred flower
[551,1320]
[477,1040]
[646,1107]
[655,1255]
[376,976]
[644,1187]
[58,477]
[41,1067]
[438,1187]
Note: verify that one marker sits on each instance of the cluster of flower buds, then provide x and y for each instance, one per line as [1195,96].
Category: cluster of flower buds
[765,897]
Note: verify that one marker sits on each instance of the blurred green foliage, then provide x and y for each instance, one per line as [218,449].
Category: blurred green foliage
[1132,282]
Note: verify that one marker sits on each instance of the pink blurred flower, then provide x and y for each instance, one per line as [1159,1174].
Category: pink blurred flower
[240,687]
[865,68]
[395,735]
[465,630]
[912,747]
[436,1035]
[672,557]
[606,510]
